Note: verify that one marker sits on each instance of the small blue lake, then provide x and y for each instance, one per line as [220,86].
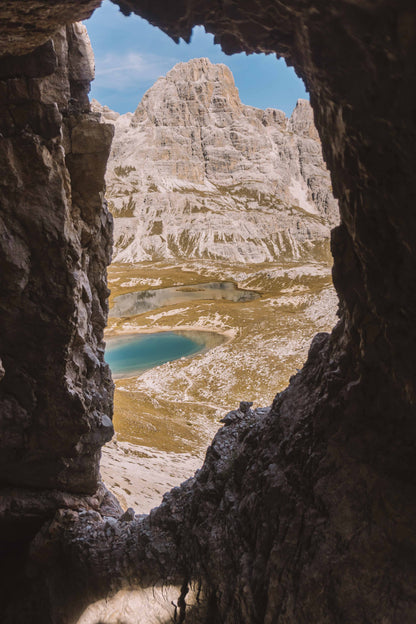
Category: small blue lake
[133,303]
[132,354]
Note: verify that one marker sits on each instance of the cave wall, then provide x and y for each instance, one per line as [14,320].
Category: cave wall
[55,244]
[303,514]
[56,390]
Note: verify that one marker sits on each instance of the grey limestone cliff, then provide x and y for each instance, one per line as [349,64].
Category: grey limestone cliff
[192,162]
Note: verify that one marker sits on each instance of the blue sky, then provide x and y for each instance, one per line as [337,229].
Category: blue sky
[130,55]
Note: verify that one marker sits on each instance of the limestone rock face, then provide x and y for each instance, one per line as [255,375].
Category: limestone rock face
[46,19]
[196,173]
[55,243]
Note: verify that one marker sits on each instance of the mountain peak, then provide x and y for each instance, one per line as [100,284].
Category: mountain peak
[188,93]
[200,69]
[301,120]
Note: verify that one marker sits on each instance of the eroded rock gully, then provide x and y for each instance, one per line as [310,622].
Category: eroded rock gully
[302,514]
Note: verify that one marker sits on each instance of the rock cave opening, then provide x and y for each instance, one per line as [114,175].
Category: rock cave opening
[304,513]
[190,159]
[165,170]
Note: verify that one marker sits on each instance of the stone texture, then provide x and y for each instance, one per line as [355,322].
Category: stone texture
[55,244]
[264,525]
[305,514]
[55,392]
[27,25]
[193,161]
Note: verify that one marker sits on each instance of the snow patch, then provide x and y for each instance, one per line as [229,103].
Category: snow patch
[156,317]
[141,281]
[299,192]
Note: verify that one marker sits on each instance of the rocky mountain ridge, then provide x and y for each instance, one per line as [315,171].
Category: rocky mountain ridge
[193,172]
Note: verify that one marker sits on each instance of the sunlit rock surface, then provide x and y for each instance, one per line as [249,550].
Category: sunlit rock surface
[196,173]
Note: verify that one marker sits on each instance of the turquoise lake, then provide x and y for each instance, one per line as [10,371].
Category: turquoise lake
[132,354]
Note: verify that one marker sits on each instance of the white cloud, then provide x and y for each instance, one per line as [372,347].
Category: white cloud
[120,71]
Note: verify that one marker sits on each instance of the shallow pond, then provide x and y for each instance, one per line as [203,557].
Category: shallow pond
[134,303]
[132,354]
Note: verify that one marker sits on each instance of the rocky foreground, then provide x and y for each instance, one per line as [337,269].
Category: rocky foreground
[195,173]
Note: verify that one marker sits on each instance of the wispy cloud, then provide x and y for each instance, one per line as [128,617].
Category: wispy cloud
[120,71]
